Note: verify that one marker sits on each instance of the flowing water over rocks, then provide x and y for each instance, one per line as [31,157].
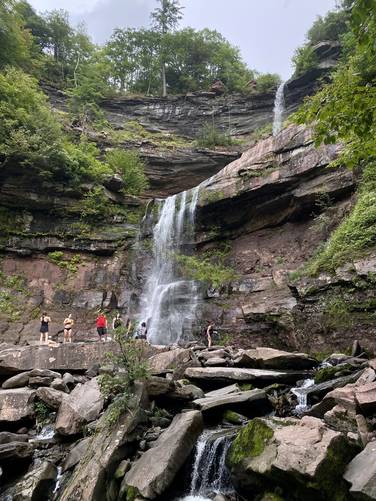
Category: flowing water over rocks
[279,109]
[168,302]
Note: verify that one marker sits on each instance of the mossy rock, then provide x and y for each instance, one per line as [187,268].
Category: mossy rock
[250,442]
[233,417]
[328,373]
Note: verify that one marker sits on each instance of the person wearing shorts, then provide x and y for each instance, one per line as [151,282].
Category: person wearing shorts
[101,324]
[68,324]
[44,321]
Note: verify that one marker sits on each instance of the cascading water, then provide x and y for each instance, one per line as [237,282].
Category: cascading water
[301,394]
[279,109]
[168,302]
[210,474]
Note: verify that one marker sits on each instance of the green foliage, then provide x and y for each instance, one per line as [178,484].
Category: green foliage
[129,366]
[208,268]
[331,27]
[210,137]
[337,312]
[15,41]
[250,442]
[304,59]
[12,286]
[267,82]
[42,412]
[70,264]
[344,112]
[328,373]
[131,168]
[95,206]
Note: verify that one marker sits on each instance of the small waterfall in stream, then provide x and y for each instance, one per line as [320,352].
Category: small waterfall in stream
[279,109]
[210,474]
[168,302]
[301,394]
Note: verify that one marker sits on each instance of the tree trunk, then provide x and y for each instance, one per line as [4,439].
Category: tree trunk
[164,84]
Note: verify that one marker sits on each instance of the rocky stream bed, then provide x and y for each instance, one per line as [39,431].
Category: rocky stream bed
[219,424]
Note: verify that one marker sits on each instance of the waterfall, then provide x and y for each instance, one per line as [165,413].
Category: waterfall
[279,108]
[301,395]
[168,302]
[210,474]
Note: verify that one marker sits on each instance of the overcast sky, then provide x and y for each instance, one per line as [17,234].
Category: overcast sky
[266,31]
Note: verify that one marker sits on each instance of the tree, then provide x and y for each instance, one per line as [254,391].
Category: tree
[15,41]
[165,19]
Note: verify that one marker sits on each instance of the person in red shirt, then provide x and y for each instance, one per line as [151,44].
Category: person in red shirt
[101,324]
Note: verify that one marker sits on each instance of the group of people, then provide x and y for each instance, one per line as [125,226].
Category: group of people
[101,325]
[102,328]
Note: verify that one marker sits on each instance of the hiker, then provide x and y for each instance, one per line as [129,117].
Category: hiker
[142,331]
[117,322]
[128,326]
[209,333]
[68,324]
[101,324]
[44,321]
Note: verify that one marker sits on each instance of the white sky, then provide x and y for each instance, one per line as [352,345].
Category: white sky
[266,31]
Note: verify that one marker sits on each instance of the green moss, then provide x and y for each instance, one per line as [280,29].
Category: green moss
[70,264]
[131,493]
[246,386]
[328,373]
[233,417]
[250,442]
[211,196]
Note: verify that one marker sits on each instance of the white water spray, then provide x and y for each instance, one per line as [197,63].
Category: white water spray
[279,109]
[168,302]
[301,394]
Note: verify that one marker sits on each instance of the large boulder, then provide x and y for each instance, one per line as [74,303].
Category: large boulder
[366,397]
[51,397]
[230,374]
[361,474]
[169,360]
[255,400]
[16,404]
[305,457]
[17,381]
[269,358]
[104,452]
[155,470]
[15,450]
[82,406]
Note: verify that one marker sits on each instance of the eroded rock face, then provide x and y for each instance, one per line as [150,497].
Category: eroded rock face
[78,408]
[37,485]
[155,470]
[302,456]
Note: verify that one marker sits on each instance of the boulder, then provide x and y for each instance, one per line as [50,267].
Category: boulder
[59,385]
[233,388]
[36,485]
[186,392]
[82,406]
[157,386]
[269,358]
[51,397]
[37,381]
[303,456]
[16,404]
[17,381]
[44,373]
[168,360]
[65,357]
[228,374]
[366,397]
[256,400]
[361,474]
[104,452]
[6,437]
[68,379]
[76,454]
[15,450]
[150,475]
[216,362]
[114,183]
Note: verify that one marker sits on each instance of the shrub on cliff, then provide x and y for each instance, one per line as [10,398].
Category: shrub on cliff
[210,136]
[131,168]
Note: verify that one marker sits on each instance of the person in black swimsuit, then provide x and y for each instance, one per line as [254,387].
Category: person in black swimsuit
[44,321]
[68,324]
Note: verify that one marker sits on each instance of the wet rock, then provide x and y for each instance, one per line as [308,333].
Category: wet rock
[104,451]
[155,470]
[234,417]
[256,398]
[18,381]
[303,455]
[7,437]
[51,397]
[269,358]
[228,374]
[16,404]
[122,469]
[361,474]
[78,408]
[163,362]
[36,485]
[76,454]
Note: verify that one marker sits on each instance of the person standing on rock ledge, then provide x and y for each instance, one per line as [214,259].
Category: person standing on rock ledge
[44,321]
[68,324]
[101,324]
